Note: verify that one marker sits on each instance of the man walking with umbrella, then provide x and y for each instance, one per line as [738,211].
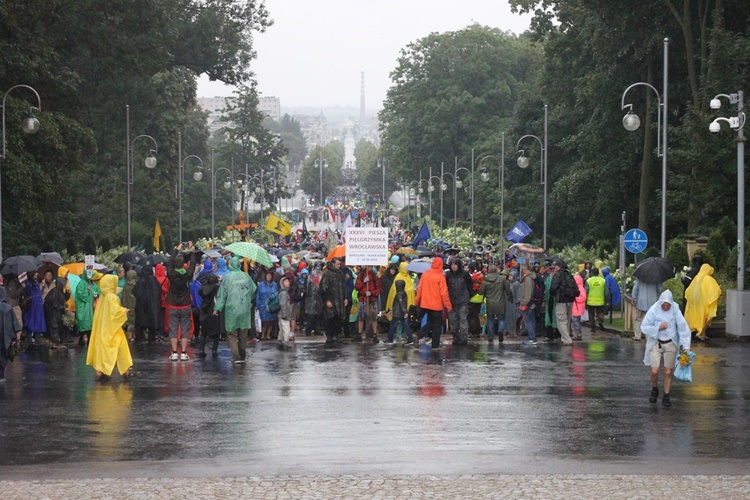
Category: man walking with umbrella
[649,275]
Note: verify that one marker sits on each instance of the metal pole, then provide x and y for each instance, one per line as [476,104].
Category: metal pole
[320,167]
[472,193]
[502,197]
[262,193]
[213,196]
[442,171]
[455,198]
[179,184]
[740,194]
[232,193]
[128,162]
[664,156]
[429,191]
[385,205]
[545,177]
[419,197]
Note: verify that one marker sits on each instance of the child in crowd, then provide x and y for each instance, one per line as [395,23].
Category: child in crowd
[400,313]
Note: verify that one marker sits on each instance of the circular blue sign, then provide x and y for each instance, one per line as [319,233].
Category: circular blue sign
[636,241]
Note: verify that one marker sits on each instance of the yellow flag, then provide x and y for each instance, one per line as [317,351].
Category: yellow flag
[157,236]
[278,226]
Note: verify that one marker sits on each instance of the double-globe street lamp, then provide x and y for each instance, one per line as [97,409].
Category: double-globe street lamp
[736,306]
[485,176]
[197,175]
[227,185]
[149,162]
[430,189]
[30,125]
[523,162]
[631,122]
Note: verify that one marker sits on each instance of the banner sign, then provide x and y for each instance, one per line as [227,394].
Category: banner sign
[367,246]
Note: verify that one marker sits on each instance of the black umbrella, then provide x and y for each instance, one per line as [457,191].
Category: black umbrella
[654,270]
[154,259]
[53,257]
[132,257]
[20,264]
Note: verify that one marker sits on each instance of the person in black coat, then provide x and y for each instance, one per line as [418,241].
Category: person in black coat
[54,310]
[209,322]
[148,311]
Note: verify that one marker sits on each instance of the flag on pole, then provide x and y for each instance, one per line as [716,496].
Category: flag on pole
[347,224]
[157,236]
[422,236]
[520,231]
[278,226]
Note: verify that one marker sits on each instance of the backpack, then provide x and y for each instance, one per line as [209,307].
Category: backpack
[296,290]
[537,296]
[272,303]
[569,287]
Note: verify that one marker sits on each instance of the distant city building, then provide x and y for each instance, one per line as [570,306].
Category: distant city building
[215,106]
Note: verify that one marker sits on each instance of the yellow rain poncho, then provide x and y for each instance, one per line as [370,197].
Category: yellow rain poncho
[108,345]
[702,298]
[403,274]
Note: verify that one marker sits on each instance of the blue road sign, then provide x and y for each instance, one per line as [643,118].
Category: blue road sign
[635,241]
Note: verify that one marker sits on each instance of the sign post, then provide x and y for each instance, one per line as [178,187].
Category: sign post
[636,241]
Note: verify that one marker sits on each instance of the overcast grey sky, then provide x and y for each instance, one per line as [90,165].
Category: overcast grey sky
[315,51]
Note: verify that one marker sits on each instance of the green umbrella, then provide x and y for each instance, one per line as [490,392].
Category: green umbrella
[250,251]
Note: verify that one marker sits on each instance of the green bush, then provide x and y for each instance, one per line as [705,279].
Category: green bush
[677,253]
[718,248]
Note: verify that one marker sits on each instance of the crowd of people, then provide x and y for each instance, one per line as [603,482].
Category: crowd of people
[201,299]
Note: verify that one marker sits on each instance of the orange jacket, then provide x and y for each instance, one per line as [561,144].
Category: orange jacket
[432,292]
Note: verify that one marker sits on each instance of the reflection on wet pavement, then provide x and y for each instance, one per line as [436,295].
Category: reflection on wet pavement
[369,401]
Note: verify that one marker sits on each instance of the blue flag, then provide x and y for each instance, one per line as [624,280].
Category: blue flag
[422,236]
[520,231]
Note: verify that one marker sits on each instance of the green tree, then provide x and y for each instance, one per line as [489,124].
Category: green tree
[333,156]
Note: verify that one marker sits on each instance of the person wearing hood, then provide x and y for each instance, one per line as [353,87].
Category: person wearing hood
[460,290]
[33,316]
[511,304]
[235,298]
[613,289]
[665,329]
[129,302]
[579,307]
[702,300]
[496,290]
[55,307]
[161,276]
[334,300]
[148,311]
[9,328]
[368,291]
[564,288]
[195,298]
[400,313]
[108,346]
[432,297]
[696,263]
[85,294]
[221,268]
[526,307]
[386,283]
[266,288]
[312,302]
[209,322]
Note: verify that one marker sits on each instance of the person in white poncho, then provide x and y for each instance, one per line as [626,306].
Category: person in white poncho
[665,328]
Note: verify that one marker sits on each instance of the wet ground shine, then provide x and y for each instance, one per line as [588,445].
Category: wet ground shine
[376,409]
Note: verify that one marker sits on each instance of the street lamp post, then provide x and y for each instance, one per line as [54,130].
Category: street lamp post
[180,181]
[321,164]
[738,302]
[150,161]
[457,184]
[631,122]
[227,185]
[30,125]
[431,188]
[485,176]
[523,162]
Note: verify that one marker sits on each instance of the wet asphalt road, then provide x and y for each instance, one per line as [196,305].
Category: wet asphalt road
[376,409]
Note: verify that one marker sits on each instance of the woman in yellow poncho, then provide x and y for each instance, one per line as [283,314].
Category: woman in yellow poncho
[403,275]
[702,298]
[108,346]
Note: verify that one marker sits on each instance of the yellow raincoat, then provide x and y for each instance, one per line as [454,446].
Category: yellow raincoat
[702,298]
[403,274]
[108,345]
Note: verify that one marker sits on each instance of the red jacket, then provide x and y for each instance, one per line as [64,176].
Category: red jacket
[432,292]
[372,286]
